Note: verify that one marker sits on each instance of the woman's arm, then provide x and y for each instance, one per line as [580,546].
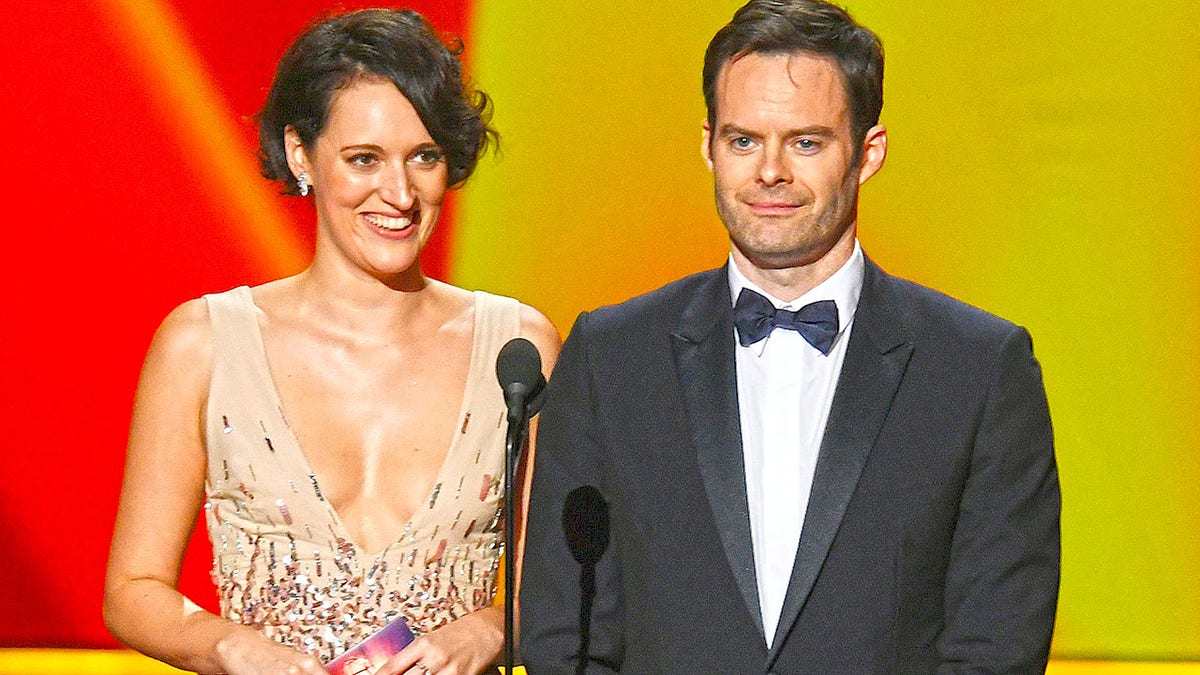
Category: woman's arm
[161,495]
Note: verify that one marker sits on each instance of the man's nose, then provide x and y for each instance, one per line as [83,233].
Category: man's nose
[773,168]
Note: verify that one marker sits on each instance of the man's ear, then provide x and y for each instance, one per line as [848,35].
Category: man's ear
[874,151]
[706,144]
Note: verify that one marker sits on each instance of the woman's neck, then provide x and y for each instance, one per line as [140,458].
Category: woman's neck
[363,305]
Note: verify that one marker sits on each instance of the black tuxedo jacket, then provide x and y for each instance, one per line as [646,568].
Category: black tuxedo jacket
[931,539]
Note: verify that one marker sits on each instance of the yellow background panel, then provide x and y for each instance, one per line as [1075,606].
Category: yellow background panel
[1042,165]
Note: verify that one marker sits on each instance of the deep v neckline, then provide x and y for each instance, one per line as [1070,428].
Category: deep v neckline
[412,525]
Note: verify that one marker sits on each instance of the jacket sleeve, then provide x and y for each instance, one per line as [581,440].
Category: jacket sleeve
[570,457]
[1003,575]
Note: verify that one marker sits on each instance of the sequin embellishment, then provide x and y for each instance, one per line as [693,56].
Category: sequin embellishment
[312,478]
[266,436]
[283,510]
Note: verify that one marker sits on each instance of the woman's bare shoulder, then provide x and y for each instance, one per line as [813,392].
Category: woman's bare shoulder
[541,332]
[183,342]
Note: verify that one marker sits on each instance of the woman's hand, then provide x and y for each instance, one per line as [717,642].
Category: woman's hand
[246,652]
[466,646]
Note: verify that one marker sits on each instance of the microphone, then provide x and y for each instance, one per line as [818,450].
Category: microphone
[519,370]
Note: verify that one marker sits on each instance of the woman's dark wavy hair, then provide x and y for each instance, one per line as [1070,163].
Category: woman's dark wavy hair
[812,26]
[397,45]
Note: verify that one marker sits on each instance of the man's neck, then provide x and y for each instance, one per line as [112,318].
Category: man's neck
[788,283]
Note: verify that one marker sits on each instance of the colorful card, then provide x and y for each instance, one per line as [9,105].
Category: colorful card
[369,655]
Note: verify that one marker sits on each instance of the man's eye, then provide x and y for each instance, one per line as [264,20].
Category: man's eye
[807,144]
[742,142]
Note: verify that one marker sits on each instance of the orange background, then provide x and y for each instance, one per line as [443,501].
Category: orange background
[1041,166]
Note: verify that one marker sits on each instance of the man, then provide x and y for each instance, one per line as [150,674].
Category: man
[799,464]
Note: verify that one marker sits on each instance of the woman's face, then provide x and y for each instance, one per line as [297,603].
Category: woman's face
[377,177]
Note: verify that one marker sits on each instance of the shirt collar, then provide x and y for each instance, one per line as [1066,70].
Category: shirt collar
[843,287]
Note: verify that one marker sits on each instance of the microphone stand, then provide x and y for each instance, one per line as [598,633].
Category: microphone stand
[518,432]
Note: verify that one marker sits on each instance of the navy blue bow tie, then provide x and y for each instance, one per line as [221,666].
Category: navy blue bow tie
[755,317]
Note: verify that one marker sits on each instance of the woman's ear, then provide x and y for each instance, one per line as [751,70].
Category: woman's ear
[293,148]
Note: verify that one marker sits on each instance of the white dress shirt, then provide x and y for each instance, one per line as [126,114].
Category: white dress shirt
[785,389]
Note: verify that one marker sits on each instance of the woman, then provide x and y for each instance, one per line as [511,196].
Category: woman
[341,427]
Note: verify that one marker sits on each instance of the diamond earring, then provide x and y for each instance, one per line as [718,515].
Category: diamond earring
[302,183]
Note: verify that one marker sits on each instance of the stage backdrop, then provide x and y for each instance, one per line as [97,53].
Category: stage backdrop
[1041,166]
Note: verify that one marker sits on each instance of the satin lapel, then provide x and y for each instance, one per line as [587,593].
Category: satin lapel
[704,358]
[875,361]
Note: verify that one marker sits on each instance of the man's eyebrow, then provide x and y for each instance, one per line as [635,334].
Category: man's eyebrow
[727,130]
[815,130]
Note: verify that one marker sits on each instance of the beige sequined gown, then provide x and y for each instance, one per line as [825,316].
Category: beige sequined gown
[283,562]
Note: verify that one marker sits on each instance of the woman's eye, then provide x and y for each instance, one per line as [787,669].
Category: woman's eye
[362,159]
[428,156]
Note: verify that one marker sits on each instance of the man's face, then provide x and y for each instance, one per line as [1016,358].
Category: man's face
[782,156]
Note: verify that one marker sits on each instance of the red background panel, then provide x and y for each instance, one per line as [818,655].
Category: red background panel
[107,226]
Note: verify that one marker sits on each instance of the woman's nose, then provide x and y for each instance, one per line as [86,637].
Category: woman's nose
[395,187]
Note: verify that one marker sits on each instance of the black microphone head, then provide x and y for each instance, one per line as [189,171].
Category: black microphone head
[585,524]
[519,365]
